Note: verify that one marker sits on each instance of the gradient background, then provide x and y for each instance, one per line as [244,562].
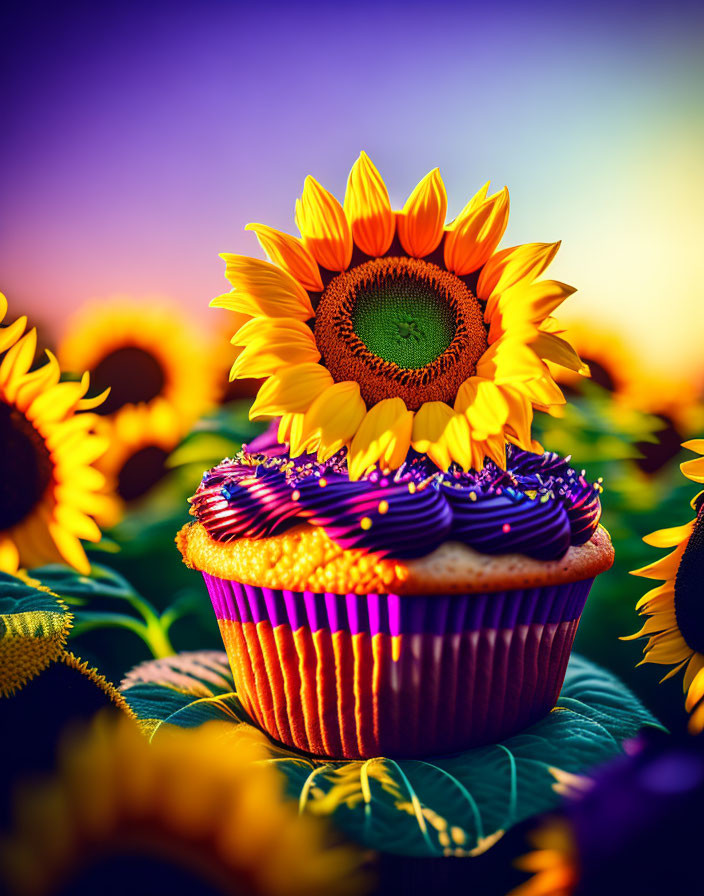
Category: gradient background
[138,142]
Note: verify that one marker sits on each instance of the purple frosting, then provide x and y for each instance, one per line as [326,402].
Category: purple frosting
[538,506]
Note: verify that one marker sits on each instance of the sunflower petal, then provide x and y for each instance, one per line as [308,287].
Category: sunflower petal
[70,548]
[474,236]
[289,253]
[520,417]
[663,569]
[484,406]
[17,362]
[324,226]
[383,437]
[510,266]
[694,469]
[334,417]
[11,333]
[9,556]
[275,347]
[559,351]
[292,390]
[669,538]
[442,434]
[696,445]
[368,208]
[420,224]
[260,288]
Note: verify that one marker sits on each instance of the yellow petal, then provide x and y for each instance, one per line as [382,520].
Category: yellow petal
[3,306]
[260,288]
[76,522]
[17,362]
[473,203]
[474,236]
[526,303]
[276,347]
[290,427]
[324,226]
[289,253]
[334,418]
[669,538]
[69,547]
[695,689]
[484,406]
[9,555]
[696,445]
[383,437]
[559,351]
[509,361]
[442,434]
[510,266]
[694,469]
[421,223]
[11,333]
[663,569]
[368,208]
[657,598]
[520,417]
[293,390]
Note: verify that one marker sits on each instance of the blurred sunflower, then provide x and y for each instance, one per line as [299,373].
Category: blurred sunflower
[616,368]
[194,811]
[675,623]
[379,331]
[140,440]
[635,830]
[553,862]
[145,354]
[48,484]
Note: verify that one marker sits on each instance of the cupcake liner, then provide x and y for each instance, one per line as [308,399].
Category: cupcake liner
[357,676]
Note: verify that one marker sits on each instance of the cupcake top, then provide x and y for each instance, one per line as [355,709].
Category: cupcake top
[538,506]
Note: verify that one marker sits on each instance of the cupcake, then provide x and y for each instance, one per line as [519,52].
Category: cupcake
[403,572]
[406,614]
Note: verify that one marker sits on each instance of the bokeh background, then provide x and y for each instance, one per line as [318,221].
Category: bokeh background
[139,139]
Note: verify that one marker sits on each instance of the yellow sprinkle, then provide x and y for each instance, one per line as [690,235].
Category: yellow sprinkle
[322,482]
[472,496]
[295,496]
[412,488]
[383,506]
[365,523]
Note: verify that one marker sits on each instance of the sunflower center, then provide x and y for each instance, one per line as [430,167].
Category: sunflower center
[689,593]
[26,466]
[133,375]
[141,471]
[400,327]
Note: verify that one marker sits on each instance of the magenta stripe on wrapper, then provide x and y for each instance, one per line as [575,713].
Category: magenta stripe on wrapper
[397,675]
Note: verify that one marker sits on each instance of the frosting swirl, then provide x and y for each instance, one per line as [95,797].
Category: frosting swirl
[538,506]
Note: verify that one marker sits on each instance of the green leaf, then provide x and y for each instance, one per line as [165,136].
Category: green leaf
[456,804]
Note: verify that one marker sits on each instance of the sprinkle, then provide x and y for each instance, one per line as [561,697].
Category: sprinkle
[322,482]
[383,507]
[296,495]
[412,488]
[365,523]
[472,496]
[384,482]
[506,527]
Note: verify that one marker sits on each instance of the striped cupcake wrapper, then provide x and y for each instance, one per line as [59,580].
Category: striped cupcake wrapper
[356,676]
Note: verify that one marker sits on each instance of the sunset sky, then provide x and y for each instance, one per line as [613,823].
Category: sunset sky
[138,142]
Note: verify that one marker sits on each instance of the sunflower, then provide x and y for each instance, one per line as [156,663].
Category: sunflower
[615,367]
[382,330]
[141,439]
[48,483]
[195,810]
[675,623]
[146,354]
[553,862]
